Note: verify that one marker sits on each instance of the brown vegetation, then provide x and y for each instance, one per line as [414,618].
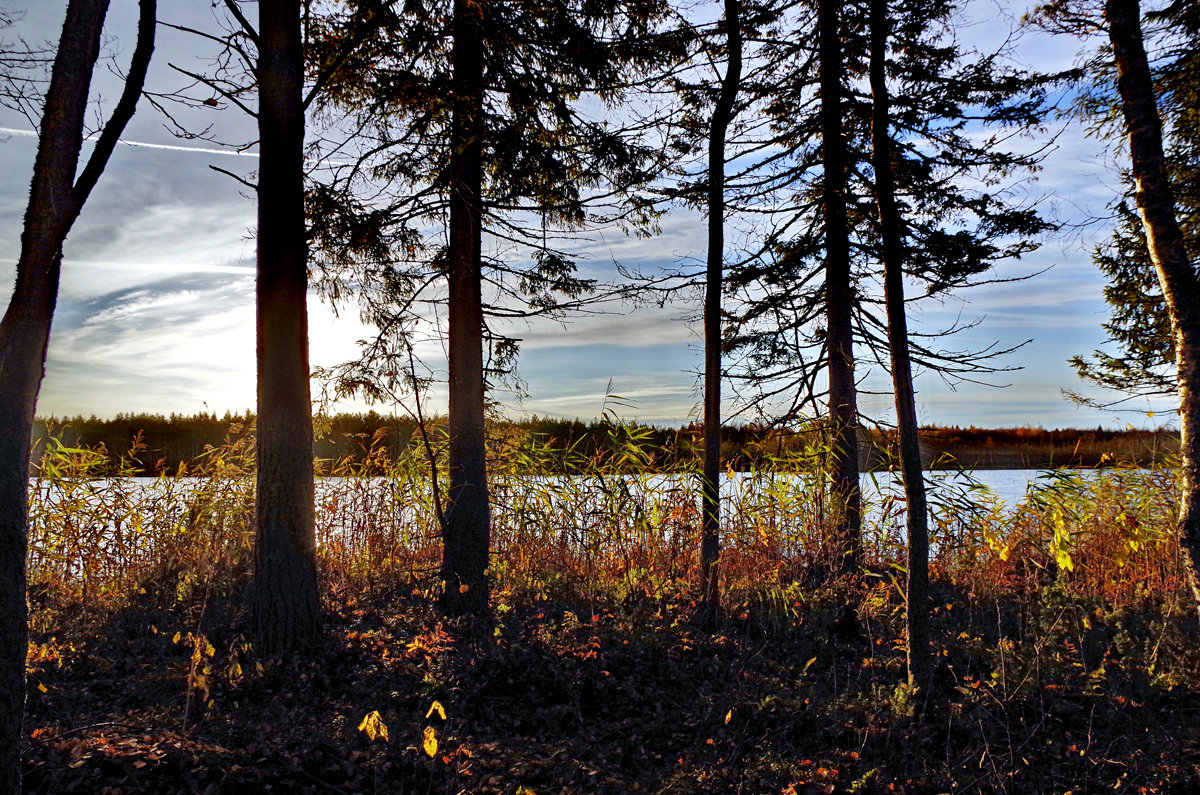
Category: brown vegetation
[185,439]
[1062,632]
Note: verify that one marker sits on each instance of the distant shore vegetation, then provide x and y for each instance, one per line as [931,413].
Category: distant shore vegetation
[153,444]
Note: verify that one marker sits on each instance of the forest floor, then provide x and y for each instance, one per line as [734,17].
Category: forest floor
[1047,695]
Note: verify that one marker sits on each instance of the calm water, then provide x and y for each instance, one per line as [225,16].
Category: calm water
[1008,485]
[342,502]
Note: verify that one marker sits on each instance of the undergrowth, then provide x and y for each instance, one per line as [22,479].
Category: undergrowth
[1065,638]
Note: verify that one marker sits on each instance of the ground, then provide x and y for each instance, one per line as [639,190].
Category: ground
[564,697]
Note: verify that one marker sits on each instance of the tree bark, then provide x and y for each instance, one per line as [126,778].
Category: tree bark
[287,607]
[920,668]
[710,479]
[1176,274]
[466,533]
[845,497]
[55,200]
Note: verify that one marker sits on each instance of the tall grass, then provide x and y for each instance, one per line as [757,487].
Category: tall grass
[618,531]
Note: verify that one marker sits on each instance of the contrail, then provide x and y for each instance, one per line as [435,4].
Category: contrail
[144,144]
[157,267]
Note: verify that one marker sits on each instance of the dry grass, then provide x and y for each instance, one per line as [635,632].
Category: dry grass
[1067,646]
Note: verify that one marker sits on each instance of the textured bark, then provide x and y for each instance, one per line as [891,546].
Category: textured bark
[55,200]
[287,608]
[845,498]
[1176,274]
[710,480]
[920,668]
[467,529]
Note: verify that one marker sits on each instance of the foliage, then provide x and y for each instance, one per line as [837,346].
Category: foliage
[1139,326]
[590,678]
[173,444]
[554,163]
[956,116]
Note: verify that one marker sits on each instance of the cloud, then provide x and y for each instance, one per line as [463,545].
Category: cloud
[157,305]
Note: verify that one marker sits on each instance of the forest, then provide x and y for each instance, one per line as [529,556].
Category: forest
[444,598]
[166,445]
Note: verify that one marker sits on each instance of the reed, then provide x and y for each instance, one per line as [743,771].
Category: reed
[618,531]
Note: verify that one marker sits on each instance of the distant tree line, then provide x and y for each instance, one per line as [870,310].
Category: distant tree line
[167,443]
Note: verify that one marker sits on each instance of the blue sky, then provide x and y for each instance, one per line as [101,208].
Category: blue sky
[156,309]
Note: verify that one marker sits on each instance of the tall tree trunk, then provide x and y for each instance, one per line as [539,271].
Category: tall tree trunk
[1176,274]
[287,608]
[920,668]
[55,200]
[710,481]
[845,498]
[466,533]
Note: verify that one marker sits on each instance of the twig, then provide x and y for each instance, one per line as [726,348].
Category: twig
[81,729]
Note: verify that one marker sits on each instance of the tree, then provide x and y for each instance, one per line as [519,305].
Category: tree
[892,253]
[494,134]
[844,494]
[710,527]
[1163,237]
[1176,271]
[467,528]
[271,60]
[1139,326]
[23,70]
[56,198]
[800,301]
[286,603]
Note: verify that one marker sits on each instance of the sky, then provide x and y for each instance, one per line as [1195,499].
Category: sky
[156,306]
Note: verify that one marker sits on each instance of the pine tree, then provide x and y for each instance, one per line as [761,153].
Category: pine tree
[1139,326]
[892,252]
[958,225]
[286,604]
[1166,245]
[1177,276]
[497,133]
[722,115]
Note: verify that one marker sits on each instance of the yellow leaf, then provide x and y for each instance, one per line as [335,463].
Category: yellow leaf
[1064,560]
[176,638]
[429,742]
[1005,553]
[43,688]
[374,726]
[438,708]
[728,717]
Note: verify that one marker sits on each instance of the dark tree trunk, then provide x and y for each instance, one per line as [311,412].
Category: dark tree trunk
[920,667]
[710,482]
[845,498]
[1176,274]
[286,604]
[55,200]
[466,532]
